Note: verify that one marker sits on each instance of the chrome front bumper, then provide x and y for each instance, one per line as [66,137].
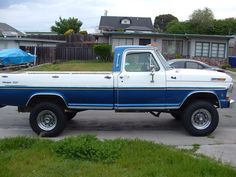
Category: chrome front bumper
[231,103]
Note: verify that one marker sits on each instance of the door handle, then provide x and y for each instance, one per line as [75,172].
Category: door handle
[4,76]
[173,77]
[124,77]
[107,77]
[55,77]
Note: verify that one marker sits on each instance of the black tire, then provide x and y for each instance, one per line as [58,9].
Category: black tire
[200,118]
[177,115]
[47,119]
[70,115]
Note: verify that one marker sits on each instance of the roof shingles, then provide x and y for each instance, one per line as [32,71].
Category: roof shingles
[113,23]
[6,30]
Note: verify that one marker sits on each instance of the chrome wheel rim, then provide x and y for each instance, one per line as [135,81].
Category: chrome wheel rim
[201,119]
[47,120]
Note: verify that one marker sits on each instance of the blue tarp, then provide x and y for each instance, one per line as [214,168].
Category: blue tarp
[15,57]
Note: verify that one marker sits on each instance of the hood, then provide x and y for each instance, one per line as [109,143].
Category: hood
[196,75]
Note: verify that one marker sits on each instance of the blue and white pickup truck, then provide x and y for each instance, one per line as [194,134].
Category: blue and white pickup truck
[141,81]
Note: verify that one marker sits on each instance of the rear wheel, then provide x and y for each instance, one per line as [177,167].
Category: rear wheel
[47,119]
[200,118]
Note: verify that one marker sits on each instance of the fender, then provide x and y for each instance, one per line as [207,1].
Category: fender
[47,94]
[196,92]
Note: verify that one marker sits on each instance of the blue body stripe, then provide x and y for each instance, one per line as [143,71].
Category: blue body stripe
[108,96]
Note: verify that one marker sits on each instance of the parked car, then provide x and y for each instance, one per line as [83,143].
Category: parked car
[193,64]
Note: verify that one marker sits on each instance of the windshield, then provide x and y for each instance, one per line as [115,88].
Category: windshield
[163,60]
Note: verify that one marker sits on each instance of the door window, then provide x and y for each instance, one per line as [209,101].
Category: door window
[193,65]
[178,64]
[140,62]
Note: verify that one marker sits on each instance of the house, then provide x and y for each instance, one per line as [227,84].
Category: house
[114,23]
[232,46]
[212,49]
[8,31]
[124,24]
[13,38]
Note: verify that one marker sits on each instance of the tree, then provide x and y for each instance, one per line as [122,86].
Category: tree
[161,22]
[202,21]
[63,25]
[225,27]
[179,27]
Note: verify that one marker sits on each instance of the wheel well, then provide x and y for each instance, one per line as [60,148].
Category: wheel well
[46,98]
[210,97]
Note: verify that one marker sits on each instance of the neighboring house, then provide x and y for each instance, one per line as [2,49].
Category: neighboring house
[124,25]
[12,38]
[212,49]
[8,31]
[232,46]
[114,23]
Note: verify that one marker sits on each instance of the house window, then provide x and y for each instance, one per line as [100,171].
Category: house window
[121,41]
[125,21]
[172,47]
[144,41]
[218,50]
[202,49]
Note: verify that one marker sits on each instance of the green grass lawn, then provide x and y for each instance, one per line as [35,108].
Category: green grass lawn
[86,156]
[76,65]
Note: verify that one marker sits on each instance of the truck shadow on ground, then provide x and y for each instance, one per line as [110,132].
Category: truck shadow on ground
[124,124]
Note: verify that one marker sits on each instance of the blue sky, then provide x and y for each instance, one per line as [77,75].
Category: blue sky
[39,15]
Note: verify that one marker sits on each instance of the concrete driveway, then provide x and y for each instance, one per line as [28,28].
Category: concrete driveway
[109,125]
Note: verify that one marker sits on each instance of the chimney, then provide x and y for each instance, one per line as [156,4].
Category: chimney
[106,12]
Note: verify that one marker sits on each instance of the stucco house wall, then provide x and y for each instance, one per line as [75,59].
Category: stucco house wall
[181,46]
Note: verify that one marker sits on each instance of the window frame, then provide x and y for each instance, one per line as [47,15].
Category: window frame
[126,39]
[202,42]
[136,52]
[170,40]
[217,54]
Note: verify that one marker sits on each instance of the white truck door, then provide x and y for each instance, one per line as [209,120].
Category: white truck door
[142,82]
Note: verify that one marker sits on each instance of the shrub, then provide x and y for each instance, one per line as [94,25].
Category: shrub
[88,147]
[83,33]
[226,66]
[69,32]
[103,51]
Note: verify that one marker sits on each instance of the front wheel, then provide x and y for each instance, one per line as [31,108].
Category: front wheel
[47,119]
[200,118]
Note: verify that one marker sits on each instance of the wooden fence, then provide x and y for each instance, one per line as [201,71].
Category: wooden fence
[76,52]
[77,47]
[63,52]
